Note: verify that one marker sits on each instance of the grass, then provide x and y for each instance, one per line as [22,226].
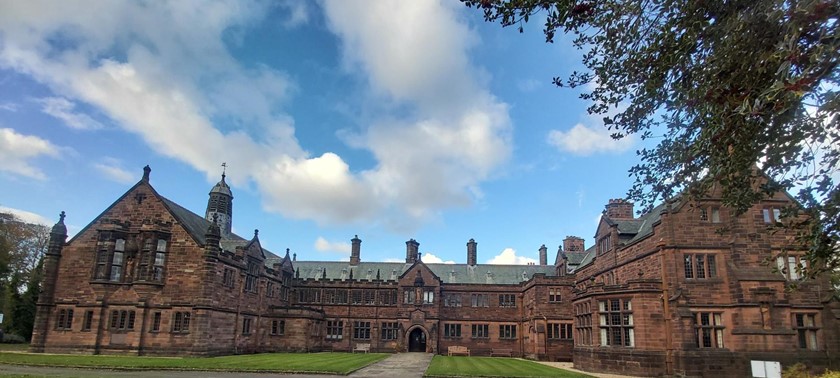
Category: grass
[444,366]
[332,363]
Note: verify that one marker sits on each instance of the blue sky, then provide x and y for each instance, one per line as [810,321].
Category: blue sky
[391,120]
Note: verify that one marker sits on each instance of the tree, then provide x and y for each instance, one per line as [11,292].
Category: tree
[728,86]
[22,247]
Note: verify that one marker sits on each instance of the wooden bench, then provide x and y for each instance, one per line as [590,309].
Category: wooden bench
[362,347]
[456,350]
[496,352]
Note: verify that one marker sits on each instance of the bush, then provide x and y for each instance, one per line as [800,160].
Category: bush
[10,338]
[801,371]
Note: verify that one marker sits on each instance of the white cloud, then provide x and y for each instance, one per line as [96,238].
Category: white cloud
[28,217]
[322,245]
[63,109]
[429,258]
[113,170]
[17,149]
[298,12]
[528,85]
[9,106]
[164,72]
[582,140]
[508,257]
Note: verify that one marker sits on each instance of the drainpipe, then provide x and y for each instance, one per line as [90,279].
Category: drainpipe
[545,338]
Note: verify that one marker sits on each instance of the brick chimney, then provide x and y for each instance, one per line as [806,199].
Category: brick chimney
[411,249]
[619,208]
[355,250]
[543,255]
[573,244]
[472,252]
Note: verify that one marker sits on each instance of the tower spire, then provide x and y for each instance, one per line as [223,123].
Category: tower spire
[220,205]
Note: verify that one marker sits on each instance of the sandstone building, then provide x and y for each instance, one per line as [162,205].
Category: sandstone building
[687,289]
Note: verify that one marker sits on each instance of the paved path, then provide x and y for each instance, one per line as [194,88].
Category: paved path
[403,365]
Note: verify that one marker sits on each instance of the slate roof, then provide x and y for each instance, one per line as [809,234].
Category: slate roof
[448,273]
[587,257]
[575,258]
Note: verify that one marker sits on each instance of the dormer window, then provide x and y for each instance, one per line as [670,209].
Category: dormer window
[604,244]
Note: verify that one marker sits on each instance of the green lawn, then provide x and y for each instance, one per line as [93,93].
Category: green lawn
[333,363]
[444,366]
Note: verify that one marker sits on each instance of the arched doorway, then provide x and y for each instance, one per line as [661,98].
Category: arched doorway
[417,340]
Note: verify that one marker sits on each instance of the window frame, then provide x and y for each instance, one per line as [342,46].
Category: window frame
[389,331]
[507,331]
[559,331]
[181,322]
[807,335]
[708,330]
[480,331]
[452,330]
[361,330]
[697,264]
[64,319]
[278,327]
[616,325]
[335,329]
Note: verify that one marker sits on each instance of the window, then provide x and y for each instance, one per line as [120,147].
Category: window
[452,300]
[88,320]
[329,296]
[507,300]
[480,300]
[181,322]
[554,295]
[507,331]
[390,331]
[604,244]
[160,261]
[117,261]
[278,327]
[370,297]
[122,320]
[388,297]
[616,322]
[269,289]
[65,319]
[806,329]
[341,296]
[361,330]
[356,297]
[309,295]
[227,277]
[409,296]
[559,331]
[452,330]
[708,329]
[710,214]
[583,322]
[428,297]
[791,267]
[480,331]
[251,275]
[700,265]
[156,322]
[246,326]
[772,215]
[335,329]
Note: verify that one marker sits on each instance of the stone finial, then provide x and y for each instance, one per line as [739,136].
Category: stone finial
[59,228]
[146,171]
[256,232]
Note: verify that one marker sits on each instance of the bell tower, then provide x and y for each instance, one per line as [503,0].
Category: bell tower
[220,206]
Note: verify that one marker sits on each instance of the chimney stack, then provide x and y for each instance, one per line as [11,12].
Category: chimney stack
[543,255]
[619,209]
[472,252]
[411,248]
[573,244]
[355,251]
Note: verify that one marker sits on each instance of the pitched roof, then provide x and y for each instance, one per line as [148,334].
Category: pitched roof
[448,273]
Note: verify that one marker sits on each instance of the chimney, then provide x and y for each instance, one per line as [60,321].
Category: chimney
[472,252]
[543,255]
[619,209]
[574,243]
[355,250]
[411,248]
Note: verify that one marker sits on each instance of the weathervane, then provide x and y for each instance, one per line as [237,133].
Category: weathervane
[224,168]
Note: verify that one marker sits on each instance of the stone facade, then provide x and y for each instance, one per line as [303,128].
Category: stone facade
[686,290]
